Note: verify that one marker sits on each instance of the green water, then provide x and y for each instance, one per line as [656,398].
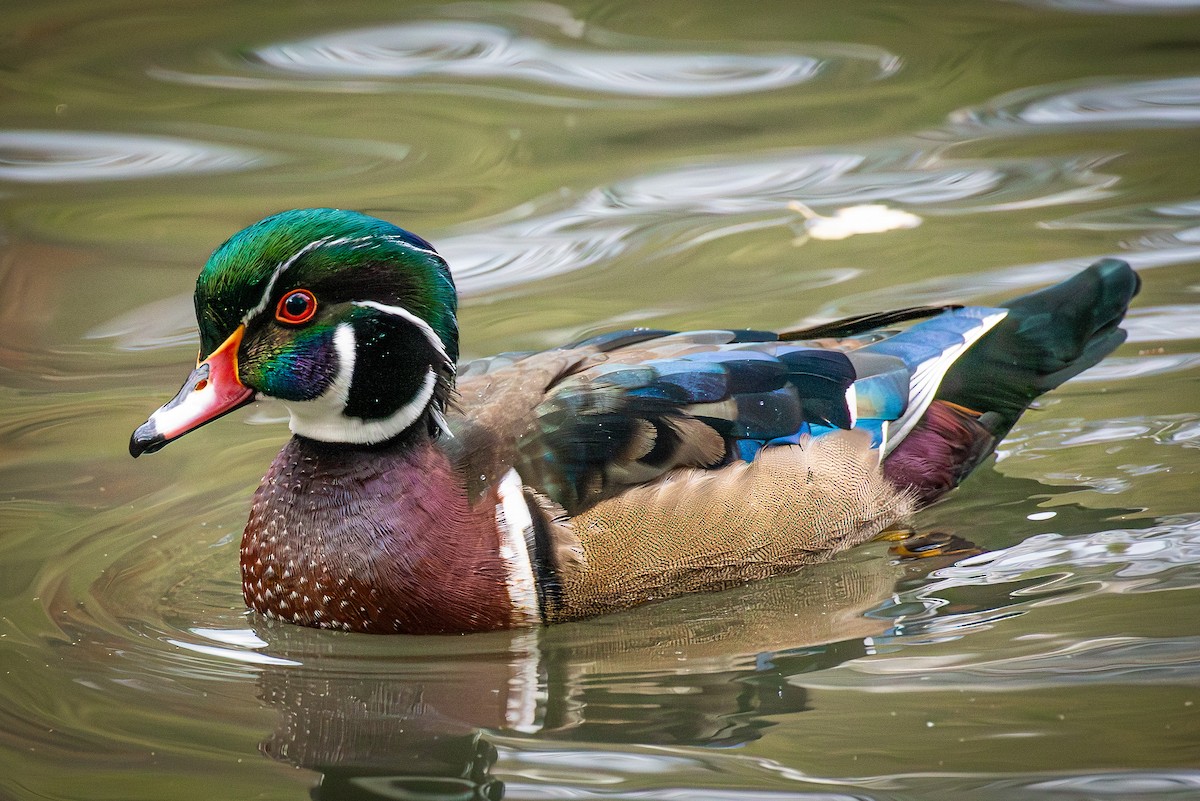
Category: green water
[588,166]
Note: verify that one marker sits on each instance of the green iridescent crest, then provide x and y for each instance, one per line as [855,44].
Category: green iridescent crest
[340,256]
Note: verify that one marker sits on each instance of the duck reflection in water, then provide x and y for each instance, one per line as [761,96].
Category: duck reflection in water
[421,717]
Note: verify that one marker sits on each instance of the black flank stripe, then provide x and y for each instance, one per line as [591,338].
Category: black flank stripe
[541,556]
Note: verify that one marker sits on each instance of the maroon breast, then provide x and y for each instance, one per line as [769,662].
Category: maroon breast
[378,540]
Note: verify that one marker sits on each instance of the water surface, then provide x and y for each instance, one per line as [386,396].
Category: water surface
[586,166]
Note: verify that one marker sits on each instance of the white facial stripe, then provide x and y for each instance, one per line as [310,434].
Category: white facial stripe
[356,241]
[324,418]
[405,314]
[513,521]
[280,270]
[362,241]
[402,241]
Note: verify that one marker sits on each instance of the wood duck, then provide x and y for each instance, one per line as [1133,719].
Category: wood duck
[421,496]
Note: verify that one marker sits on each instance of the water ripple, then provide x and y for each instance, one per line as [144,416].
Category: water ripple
[1123,553]
[481,53]
[1109,660]
[165,323]
[693,205]
[1053,436]
[59,156]
[1168,101]
[674,210]
[1163,323]
[489,52]
[1002,283]
[1124,785]
[1166,225]
[1117,6]
[1045,569]
[1117,368]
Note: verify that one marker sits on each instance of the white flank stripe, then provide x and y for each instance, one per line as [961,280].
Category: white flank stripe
[852,404]
[928,377]
[512,521]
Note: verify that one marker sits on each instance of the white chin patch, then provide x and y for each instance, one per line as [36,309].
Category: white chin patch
[324,418]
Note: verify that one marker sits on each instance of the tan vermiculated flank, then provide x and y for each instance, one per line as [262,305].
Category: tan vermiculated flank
[702,530]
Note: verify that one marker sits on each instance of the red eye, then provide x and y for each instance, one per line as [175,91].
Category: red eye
[296,307]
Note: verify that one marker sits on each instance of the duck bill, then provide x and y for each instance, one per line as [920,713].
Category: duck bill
[213,389]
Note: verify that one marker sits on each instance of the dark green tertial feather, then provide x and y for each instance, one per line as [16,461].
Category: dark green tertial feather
[1047,337]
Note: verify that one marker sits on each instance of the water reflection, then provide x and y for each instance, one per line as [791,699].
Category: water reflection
[1165,226]
[395,720]
[1118,6]
[585,60]
[554,710]
[1043,570]
[672,211]
[1060,666]
[1005,282]
[681,209]
[1168,101]
[62,156]
[488,52]
[165,323]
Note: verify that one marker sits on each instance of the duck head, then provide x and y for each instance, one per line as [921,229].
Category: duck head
[348,320]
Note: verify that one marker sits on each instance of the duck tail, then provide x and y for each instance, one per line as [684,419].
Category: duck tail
[1047,337]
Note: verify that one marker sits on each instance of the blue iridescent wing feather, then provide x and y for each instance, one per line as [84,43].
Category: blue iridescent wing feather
[631,413]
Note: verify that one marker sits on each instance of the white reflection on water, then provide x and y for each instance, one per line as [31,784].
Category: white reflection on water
[234,654]
[489,48]
[1045,569]
[684,208]
[1166,429]
[490,52]
[1118,6]
[1182,218]
[1123,785]
[697,203]
[1169,101]
[1124,553]
[165,323]
[59,156]
[564,787]
[1163,323]
[848,221]
[1106,660]
[1164,226]
[1003,283]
